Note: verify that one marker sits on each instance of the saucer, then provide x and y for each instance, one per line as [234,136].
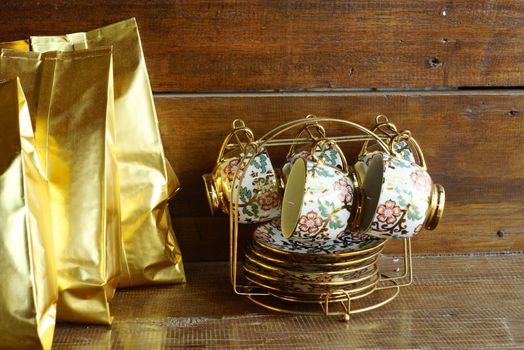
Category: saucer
[314,278]
[310,290]
[269,235]
[312,263]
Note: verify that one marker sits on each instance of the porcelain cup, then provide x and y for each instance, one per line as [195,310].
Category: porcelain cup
[320,201]
[244,174]
[408,200]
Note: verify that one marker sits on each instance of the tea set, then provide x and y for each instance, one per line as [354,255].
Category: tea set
[321,222]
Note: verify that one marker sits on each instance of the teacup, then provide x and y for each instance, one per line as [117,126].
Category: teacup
[408,199]
[245,176]
[320,201]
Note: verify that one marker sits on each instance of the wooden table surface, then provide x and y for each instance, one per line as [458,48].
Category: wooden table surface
[460,302]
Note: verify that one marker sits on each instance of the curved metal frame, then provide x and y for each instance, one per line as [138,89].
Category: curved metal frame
[270,139]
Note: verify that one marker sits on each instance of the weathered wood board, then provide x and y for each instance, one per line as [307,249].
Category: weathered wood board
[259,45]
[472,141]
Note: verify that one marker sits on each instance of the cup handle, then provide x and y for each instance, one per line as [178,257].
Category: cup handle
[406,135]
[346,168]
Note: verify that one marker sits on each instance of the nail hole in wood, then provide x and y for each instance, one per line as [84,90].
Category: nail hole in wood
[501,233]
[434,63]
[512,113]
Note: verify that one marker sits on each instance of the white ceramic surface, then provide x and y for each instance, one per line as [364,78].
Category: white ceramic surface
[259,197]
[317,203]
[404,198]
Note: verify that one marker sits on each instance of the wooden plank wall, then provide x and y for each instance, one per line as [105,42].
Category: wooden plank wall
[450,71]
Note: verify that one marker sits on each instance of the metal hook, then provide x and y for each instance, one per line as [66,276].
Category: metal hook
[238,123]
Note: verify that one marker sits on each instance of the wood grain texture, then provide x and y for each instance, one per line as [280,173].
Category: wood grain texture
[264,45]
[454,303]
[472,142]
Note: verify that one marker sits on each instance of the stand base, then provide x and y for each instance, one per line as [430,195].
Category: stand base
[331,306]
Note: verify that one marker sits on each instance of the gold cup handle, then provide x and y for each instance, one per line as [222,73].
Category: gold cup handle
[415,147]
[346,168]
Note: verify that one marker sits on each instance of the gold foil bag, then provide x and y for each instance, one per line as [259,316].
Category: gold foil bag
[151,252]
[74,136]
[28,290]
[22,45]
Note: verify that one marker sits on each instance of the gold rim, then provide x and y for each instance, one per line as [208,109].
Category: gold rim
[438,201]
[289,263]
[376,278]
[331,255]
[264,265]
[284,279]
[365,276]
[211,193]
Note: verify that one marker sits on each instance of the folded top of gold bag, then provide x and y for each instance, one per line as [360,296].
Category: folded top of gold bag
[22,45]
[151,253]
[28,291]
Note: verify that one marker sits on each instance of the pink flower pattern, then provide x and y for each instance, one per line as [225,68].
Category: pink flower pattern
[231,168]
[421,180]
[310,223]
[345,191]
[388,212]
[264,236]
[268,199]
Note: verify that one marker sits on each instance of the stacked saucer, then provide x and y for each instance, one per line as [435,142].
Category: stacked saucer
[294,270]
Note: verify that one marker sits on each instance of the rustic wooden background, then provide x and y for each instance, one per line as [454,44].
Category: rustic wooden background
[450,71]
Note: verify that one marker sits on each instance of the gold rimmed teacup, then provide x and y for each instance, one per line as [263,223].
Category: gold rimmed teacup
[245,176]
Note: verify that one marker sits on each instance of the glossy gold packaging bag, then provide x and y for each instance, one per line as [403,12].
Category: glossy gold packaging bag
[151,253]
[22,45]
[74,136]
[28,290]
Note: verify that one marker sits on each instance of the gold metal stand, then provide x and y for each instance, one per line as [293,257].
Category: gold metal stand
[370,294]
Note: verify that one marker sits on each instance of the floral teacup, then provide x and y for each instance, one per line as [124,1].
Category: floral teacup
[247,177]
[320,201]
[408,198]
